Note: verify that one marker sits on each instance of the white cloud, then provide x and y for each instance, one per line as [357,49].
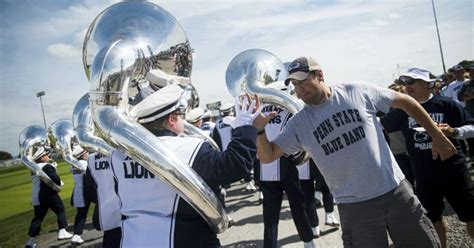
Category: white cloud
[61,50]
[394,16]
[380,23]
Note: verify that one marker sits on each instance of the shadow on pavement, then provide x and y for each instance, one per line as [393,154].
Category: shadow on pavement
[295,239]
[246,243]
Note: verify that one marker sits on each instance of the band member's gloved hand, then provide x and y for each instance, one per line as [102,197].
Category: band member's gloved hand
[245,114]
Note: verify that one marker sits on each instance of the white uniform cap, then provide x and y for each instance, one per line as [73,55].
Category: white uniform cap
[279,85]
[194,115]
[159,78]
[207,114]
[78,151]
[40,152]
[158,104]
[226,107]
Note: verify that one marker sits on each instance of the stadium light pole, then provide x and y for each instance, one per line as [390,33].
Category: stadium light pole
[40,94]
[439,39]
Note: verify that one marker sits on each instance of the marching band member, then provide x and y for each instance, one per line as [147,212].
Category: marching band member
[194,117]
[222,136]
[100,188]
[207,122]
[44,198]
[78,200]
[154,215]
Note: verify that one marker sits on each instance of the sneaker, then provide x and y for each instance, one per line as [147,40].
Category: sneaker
[63,234]
[331,220]
[76,240]
[260,197]
[223,192]
[231,221]
[310,244]
[318,196]
[316,231]
[31,243]
[250,187]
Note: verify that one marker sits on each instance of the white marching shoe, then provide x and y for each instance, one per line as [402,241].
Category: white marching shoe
[31,243]
[76,240]
[331,220]
[316,231]
[63,234]
[250,187]
[223,192]
[310,244]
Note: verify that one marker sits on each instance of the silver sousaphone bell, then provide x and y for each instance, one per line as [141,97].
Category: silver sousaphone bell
[62,138]
[85,130]
[251,71]
[30,138]
[130,50]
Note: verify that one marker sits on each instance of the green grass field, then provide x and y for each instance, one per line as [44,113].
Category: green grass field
[16,210]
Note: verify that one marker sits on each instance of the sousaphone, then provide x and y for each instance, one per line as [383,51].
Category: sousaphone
[30,139]
[124,46]
[251,71]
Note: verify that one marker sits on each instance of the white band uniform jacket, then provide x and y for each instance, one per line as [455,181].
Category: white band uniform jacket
[154,215]
[107,200]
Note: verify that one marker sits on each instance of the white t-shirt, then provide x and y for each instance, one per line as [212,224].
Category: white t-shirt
[452,91]
[345,140]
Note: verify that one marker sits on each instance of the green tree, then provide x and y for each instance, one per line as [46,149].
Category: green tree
[5,156]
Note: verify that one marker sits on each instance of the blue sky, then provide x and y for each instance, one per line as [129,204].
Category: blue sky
[370,41]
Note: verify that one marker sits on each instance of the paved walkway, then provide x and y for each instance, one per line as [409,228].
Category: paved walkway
[245,209]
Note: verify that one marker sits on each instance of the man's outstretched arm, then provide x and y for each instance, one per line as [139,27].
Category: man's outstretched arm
[266,150]
[441,145]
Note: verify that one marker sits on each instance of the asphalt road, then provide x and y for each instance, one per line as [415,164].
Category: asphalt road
[245,209]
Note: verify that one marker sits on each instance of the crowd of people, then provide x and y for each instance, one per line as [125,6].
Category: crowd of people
[388,157]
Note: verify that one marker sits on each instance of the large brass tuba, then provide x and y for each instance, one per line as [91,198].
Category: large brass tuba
[251,71]
[85,130]
[122,46]
[30,138]
[62,137]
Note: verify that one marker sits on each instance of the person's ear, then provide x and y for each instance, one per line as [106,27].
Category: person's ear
[320,75]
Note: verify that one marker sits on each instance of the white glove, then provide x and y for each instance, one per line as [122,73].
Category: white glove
[244,115]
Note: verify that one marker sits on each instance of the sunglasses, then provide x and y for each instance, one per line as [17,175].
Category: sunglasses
[179,113]
[408,80]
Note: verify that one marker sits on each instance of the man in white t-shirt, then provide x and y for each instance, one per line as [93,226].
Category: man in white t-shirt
[453,88]
[338,127]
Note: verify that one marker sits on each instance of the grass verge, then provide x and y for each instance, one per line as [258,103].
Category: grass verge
[16,210]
